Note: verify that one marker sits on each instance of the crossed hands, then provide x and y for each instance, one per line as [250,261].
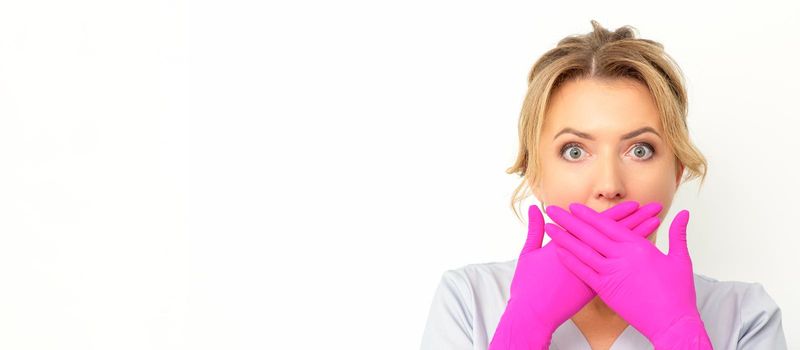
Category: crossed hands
[604,254]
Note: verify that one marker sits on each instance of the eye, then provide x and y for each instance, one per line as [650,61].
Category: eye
[640,151]
[641,148]
[574,151]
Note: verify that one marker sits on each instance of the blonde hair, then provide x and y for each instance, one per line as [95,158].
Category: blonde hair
[604,54]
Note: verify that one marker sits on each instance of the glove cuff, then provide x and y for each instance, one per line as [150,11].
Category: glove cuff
[687,332]
[520,329]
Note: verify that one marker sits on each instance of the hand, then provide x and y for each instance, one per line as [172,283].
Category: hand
[654,292]
[544,293]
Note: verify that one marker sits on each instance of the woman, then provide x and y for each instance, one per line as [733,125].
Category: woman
[604,142]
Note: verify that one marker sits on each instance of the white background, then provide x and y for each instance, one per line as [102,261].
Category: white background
[251,175]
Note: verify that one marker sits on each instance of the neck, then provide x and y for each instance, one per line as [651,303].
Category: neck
[598,311]
[598,307]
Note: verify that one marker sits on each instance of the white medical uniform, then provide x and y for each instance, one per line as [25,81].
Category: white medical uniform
[469,301]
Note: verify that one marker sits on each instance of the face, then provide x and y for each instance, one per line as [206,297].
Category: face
[604,157]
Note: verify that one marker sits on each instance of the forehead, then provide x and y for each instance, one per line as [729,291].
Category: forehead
[601,106]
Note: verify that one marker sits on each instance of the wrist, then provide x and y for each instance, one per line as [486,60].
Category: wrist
[521,329]
[688,332]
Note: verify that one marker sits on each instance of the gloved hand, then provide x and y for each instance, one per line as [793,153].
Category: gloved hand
[652,291]
[544,293]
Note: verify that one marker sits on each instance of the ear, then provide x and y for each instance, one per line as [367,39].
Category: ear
[537,191]
[680,173]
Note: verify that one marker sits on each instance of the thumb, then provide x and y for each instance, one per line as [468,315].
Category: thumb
[677,235]
[535,230]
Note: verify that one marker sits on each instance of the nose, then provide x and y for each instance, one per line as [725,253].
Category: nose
[609,186]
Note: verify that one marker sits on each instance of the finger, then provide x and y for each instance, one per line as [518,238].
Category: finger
[585,253]
[647,227]
[608,228]
[644,213]
[621,210]
[535,230]
[640,220]
[578,268]
[583,231]
[677,235]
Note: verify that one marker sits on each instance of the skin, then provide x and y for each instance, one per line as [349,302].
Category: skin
[603,172]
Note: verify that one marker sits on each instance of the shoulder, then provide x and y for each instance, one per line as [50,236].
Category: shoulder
[746,294]
[712,290]
[468,304]
[467,300]
[496,268]
[484,287]
[754,314]
[476,278]
[470,276]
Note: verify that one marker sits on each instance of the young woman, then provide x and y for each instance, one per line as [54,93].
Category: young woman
[603,146]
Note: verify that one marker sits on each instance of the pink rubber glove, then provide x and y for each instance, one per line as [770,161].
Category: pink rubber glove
[544,293]
[652,291]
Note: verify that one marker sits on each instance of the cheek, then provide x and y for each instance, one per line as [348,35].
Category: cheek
[655,186]
[659,177]
[560,187]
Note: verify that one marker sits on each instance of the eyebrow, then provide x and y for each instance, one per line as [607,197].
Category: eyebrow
[629,135]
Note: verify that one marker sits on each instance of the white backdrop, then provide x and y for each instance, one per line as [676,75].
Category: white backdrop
[251,175]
